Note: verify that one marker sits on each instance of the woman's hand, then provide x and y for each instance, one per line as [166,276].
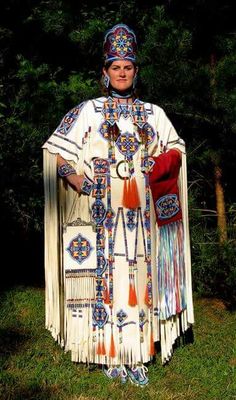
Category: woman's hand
[75,181]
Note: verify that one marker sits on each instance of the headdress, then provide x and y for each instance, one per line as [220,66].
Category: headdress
[120,43]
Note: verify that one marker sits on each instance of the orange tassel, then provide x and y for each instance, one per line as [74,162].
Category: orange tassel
[134,199]
[132,295]
[103,349]
[106,293]
[152,347]
[99,349]
[112,352]
[125,199]
[130,194]
[146,299]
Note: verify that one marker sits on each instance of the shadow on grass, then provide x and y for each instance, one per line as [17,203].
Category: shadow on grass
[12,340]
[29,393]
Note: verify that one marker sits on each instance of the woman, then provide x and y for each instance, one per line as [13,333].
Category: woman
[117,258]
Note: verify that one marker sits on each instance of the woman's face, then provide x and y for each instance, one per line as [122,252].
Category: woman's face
[121,74]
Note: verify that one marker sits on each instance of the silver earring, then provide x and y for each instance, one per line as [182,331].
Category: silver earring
[106,81]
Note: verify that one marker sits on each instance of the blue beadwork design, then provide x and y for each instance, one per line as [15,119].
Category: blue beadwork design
[101,166]
[66,170]
[98,212]
[127,144]
[167,206]
[100,315]
[131,214]
[120,42]
[79,248]
[99,288]
[121,317]
[101,263]
[139,114]
[104,130]
[99,186]
[87,186]
[150,133]
[125,110]
[111,111]
[142,318]
[69,119]
[109,221]
[150,164]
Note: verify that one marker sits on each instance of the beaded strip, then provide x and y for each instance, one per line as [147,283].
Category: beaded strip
[149,249]
[109,225]
[100,315]
[149,287]
[142,321]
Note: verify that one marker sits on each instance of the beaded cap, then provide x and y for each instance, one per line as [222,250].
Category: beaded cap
[120,43]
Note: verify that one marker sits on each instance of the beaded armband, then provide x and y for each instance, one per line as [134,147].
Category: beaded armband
[65,170]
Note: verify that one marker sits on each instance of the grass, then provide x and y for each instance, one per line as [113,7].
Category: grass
[33,366]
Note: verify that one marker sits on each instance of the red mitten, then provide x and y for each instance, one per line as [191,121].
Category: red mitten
[163,179]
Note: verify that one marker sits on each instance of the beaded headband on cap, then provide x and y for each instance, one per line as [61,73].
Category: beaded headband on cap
[120,43]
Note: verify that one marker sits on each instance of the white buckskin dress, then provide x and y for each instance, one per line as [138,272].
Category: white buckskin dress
[105,301]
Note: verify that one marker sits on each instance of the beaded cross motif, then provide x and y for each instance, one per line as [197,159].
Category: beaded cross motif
[111,111]
[139,114]
[127,144]
[79,248]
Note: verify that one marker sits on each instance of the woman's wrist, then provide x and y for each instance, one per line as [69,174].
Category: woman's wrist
[80,183]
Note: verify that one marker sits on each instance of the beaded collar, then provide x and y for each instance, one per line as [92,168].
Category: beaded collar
[121,95]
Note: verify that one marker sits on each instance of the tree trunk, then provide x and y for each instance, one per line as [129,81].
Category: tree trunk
[220,199]
[220,205]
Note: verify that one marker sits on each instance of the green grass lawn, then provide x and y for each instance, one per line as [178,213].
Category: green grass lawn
[33,366]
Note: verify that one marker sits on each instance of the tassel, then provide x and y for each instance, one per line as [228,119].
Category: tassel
[134,199]
[132,295]
[152,347]
[112,352]
[106,296]
[99,349]
[146,298]
[130,194]
[103,349]
[125,199]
